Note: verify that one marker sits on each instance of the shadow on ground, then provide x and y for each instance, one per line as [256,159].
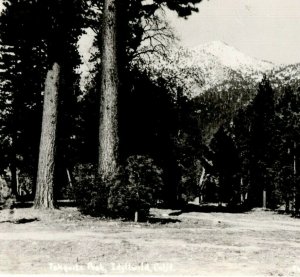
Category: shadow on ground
[21,221]
[60,204]
[155,220]
[210,208]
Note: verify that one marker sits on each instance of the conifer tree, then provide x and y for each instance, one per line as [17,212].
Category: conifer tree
[64,23]
[43,37]
[286,140]
[22,62]
[116,15]
[226,166]
[261,143]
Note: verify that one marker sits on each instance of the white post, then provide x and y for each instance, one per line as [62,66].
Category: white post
[264,199]
[136,216]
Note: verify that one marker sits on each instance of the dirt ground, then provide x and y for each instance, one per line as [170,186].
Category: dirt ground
[257,243]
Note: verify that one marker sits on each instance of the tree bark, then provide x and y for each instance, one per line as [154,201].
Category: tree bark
[45,176]
[108,126]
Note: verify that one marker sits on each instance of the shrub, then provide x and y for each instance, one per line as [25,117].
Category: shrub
[90,191]
[136,189]
[7,199]
[25,186]
[5,191]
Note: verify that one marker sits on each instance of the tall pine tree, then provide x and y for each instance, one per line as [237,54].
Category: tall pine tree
[115,19]
[260,143]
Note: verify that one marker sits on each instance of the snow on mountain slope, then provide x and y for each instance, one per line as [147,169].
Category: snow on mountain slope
[286,75]
[209,65]
[216,65]
[233,58]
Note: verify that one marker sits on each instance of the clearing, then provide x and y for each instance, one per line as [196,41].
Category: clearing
[256,243]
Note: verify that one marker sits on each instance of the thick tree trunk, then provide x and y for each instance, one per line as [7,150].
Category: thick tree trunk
[45,177]
[108,130]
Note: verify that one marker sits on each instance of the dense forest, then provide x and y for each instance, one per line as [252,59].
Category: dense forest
[128,140]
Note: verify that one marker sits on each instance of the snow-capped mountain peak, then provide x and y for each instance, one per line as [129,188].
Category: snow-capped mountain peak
[231,57]
[216,65]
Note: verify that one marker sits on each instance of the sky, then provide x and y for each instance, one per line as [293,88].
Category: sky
[265,29]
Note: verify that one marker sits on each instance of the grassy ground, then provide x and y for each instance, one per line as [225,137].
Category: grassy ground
[194,243]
